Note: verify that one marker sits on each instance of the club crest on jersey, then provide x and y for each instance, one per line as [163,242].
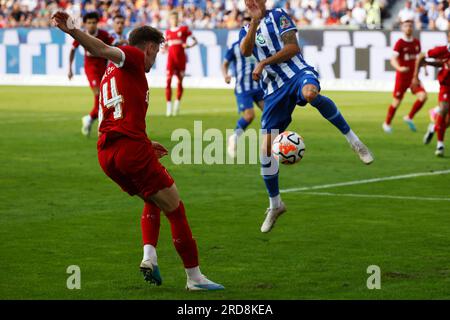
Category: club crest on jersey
[260,39]
[284,22]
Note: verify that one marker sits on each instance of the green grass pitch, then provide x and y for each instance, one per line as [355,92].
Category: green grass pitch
[57,208]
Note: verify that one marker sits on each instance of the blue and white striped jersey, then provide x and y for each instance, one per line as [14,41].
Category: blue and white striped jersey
[117,37]
[242,69]
[268,42]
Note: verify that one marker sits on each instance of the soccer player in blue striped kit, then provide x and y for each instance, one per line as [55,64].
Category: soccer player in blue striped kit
[247,90]
[287,81]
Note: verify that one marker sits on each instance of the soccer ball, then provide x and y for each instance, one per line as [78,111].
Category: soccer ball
[288,147]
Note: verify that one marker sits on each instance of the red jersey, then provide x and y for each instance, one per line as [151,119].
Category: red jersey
[91,62]
[176,40]
[124,96]
[442,53]
[406,52]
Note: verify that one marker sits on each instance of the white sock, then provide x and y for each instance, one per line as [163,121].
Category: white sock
[440,144]
[176,107]
[169,108]
[431,127]
[275,202]
[150,253]
[193,273]
[351,137]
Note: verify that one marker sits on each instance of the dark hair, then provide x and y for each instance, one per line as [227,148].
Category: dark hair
[91,15]
[118,16]
[141,35]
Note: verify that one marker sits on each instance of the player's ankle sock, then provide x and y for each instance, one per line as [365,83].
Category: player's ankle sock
[351,137]
[94,111]
[431,127]
[275,202]
[150,254]
[169,108]
[440,144]
[241,125]
[329,111]
[440,127]
[176,107]
[182,237]
[390,114]
[193,273]
[150,224]
[415,108]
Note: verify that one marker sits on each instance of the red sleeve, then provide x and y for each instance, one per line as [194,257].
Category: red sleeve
[132,58]
[437,52]
[75,44]
[106,37]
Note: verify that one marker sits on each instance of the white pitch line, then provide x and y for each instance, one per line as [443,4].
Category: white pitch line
[377,196]
[351,183]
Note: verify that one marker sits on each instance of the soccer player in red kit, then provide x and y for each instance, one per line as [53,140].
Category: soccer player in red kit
[176,43]
[94,66]
[406,50]
[128,156]
[440,58]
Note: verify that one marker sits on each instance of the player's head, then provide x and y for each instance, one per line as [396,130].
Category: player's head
[256,4]
[90,21]
[408,27]
[173,19]
[149,40]
[119,23]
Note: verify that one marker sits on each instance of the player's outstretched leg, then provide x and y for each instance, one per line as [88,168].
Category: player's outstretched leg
[430,130]
[180,90]
[329,111]
[169,94]
[241,125]
[269,172]
[418,104]
[150,224]
[168,200]
[440,128]
[390,115]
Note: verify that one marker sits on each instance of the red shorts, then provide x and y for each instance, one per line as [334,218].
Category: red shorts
[94,75]
[444,94]
[401,86]
[133,165]
[176,65]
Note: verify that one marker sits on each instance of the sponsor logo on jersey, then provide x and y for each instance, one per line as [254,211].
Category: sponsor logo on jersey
[260,39]
[284,22]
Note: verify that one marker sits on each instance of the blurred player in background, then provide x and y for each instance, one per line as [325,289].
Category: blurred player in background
[247,90]
[176,43]
[438,57]
[94,67]
[406,50]
[434,115]
[127,155]
[118,34]
[287,81]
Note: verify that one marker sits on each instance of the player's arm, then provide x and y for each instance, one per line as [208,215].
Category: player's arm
[193,44]
[71,59]
[396,65]
[95,46]
[248,42]
[290,50]
[420,62]
[225,67]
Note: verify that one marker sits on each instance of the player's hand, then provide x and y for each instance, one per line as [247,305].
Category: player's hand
[63,21]
[70,74]
[403,69]
[257,72]
[253,10]
[415,82]
[228,79]
[160,150]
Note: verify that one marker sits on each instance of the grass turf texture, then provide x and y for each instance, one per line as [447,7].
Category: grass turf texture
[57,208]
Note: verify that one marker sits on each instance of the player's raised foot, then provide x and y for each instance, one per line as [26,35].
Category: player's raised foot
[363,152]
[439,151]
[151,272]
[429,134]
[386,128]
[232,146]
[86,125]
[202,284]
[271,217]
[410,123]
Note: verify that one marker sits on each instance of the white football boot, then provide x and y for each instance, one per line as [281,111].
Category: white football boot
[203,284]
[439,151]
[363,152]
[410,123]
[387,128]
[271,217]
[151,272]
[86,125]
[429,134]
[232,146]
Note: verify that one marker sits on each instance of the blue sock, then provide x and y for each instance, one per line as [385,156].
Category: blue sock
[329,111]
[269,172]
[272,185]
[241,125]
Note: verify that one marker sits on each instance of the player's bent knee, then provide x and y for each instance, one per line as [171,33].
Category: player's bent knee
[309,93]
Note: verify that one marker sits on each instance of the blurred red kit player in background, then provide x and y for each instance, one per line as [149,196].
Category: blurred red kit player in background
[94,67]
[176,43]
[406,50]
[438,57]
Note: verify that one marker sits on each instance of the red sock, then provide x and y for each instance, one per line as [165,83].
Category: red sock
[180,88]
[94,111]
[169,88]
[182,237]
[440,127]
[415,108]
[390,114]
[150,223]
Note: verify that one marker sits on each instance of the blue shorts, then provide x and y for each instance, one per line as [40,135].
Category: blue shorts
[279,105]
[245,100]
